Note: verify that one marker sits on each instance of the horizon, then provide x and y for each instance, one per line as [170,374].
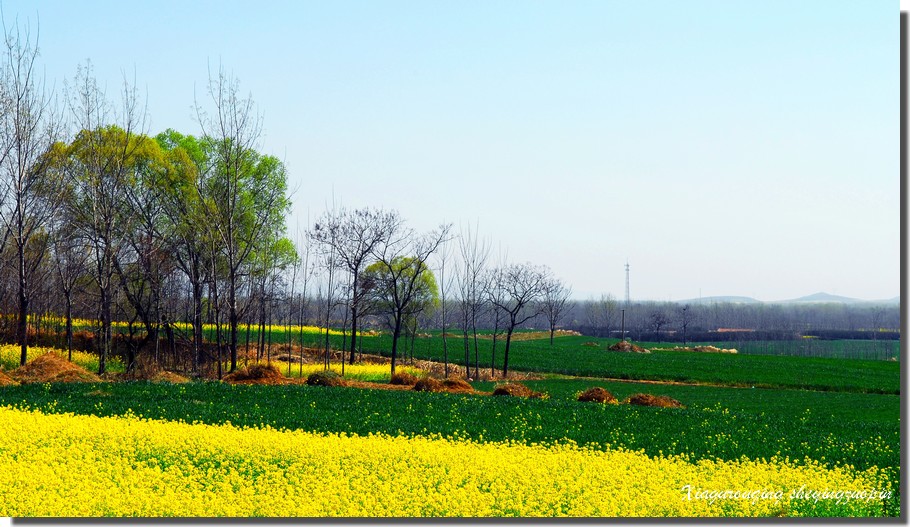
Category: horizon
[720,149]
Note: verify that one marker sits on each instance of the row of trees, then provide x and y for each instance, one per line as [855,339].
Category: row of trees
[102,220]
[123,220]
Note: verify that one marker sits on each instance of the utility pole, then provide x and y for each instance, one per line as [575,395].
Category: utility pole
[628,296]
[623,325]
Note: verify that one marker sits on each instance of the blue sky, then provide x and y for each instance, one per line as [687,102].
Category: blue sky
[723,148]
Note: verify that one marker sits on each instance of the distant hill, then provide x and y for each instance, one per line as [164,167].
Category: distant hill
[822,298]
[817,298]
[722,300]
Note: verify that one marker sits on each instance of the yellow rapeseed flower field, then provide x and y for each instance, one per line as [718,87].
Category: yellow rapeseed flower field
[69,465]
[359,371]
[9,357]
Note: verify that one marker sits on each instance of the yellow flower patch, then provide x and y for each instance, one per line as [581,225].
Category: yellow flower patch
[68,465]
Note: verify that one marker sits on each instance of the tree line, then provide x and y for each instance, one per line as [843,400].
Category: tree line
[102,220]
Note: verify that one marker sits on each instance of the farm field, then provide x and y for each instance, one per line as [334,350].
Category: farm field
[247,450]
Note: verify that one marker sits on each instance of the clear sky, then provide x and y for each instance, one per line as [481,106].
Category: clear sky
[722,147]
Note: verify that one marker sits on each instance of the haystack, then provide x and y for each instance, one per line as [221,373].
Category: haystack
[429,384]
[597,395]
[6,380]
[627,347]
[51,367]
[403,378]
[324,378]
[660,401]
[514,389]
[256,374]
[456,385]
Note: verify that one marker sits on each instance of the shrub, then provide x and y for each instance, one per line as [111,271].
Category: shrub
[597,395]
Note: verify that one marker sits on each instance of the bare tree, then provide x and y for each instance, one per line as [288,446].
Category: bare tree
[97,165]
[555,298]
[472,296]
[522,286]
[29,126]
[400,275]
[355,235]
[444,284]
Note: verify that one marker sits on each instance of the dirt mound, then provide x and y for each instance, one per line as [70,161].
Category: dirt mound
[627,347]
[597,395]
[403,378]
[5,380]
[256,374]
[429,384]
[660,401]
[324,378]
[51,367]
[514,389]
[590,344]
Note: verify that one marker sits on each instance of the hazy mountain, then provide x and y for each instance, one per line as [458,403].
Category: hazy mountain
[817,298]
[721,300]
[822,298]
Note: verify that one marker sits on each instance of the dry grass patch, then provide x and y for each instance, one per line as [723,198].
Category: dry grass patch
[597,395]
[51,367]
[659,401]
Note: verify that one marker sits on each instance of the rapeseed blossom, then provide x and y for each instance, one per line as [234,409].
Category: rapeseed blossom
[72,465]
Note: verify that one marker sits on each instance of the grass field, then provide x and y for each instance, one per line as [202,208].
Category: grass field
[834,429]
[776,422]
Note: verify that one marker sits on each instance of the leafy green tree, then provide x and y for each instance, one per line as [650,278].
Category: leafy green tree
[245,193]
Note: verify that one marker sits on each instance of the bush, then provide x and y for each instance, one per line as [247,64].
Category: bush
[660,401]
[597,395]
[324,378]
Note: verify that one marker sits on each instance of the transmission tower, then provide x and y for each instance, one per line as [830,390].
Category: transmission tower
[628,296]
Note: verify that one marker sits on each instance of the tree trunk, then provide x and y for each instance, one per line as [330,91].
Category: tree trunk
[353,332]
[505,363]
[395,334]
[69,324]
[23,326]
[232,300]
